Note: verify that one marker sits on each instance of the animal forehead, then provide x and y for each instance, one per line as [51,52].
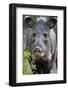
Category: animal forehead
[41,22]
[41,26]
[41,18]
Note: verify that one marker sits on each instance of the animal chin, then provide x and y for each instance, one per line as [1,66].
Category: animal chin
[38,58]
[43,65]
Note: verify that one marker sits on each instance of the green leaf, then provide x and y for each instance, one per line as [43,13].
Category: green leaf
[26,65]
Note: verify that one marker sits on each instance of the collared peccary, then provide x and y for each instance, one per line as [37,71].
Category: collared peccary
[41,38]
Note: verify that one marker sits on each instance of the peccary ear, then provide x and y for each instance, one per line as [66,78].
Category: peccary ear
[52,23]
[29,22]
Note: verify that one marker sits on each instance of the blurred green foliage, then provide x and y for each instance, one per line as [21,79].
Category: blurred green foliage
[28,68]
[26,53]
[26,65]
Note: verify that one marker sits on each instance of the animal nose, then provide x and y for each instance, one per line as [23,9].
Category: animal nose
[38,52]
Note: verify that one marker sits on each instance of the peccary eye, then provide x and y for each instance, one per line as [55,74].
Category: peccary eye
[34,51]
[45,35]
[33,40]
[34,34]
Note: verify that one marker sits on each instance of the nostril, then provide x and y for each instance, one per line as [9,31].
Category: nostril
[39,51]
[34,51]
